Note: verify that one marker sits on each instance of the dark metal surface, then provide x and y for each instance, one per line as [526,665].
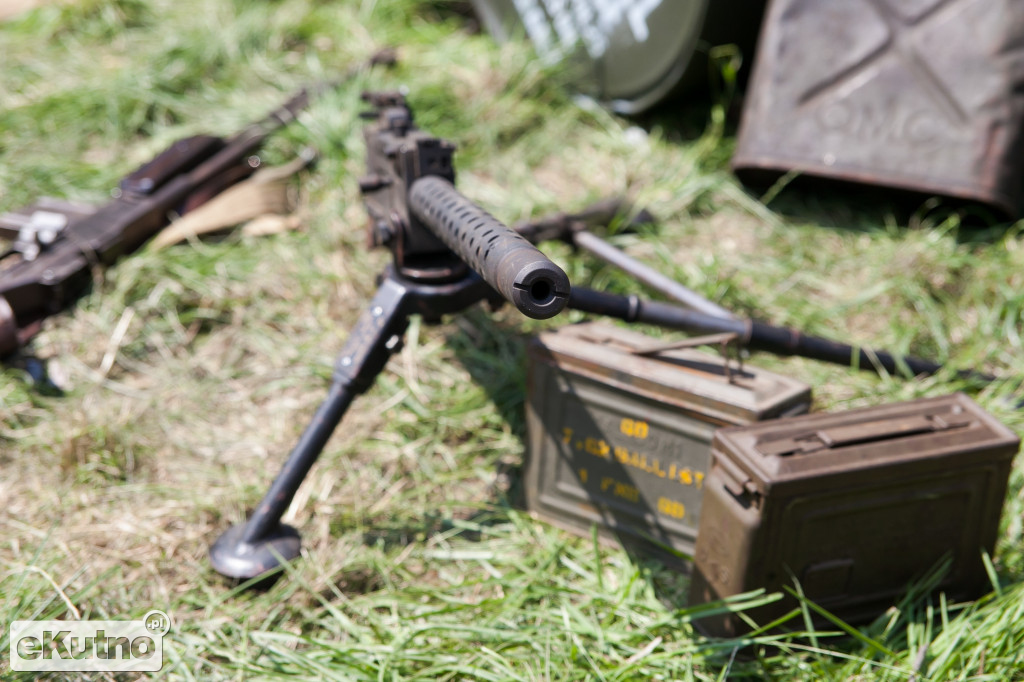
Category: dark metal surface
[925,96]
[235,557]
[619,433]
[855,505]
[433,231]
[513,266]
[9,341]
[755,335]
[247,550]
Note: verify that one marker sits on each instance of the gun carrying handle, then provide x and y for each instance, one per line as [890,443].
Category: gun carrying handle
[505,260]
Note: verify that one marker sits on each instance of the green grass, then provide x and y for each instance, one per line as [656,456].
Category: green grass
[417,563]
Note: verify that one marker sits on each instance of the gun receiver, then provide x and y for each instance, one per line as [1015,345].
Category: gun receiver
[434,231]
[59,243]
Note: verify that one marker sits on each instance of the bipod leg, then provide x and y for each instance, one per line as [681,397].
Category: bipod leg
[262,543]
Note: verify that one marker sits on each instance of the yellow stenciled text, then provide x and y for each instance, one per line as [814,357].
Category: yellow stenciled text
[673,508]
[634,428]
[628,492]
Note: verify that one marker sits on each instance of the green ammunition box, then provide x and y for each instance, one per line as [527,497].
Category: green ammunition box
[619,432]
[854,506]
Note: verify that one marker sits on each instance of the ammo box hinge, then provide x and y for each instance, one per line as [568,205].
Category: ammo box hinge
[736,481]
[853,434]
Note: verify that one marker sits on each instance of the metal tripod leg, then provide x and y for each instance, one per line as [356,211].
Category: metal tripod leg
[261,544]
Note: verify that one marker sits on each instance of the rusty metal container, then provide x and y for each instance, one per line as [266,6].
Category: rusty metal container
[854,505]
[619,432]
[921,95]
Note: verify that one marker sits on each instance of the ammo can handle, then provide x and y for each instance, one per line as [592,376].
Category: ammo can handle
[838,436]
[513,266]
[868,432]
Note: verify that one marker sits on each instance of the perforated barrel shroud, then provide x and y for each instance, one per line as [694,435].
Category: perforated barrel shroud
[619,432]
[922,95]
[854,505]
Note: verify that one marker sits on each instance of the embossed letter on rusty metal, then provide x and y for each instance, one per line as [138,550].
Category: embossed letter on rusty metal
[924,95]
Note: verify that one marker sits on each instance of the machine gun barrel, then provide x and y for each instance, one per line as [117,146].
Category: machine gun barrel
[513,266]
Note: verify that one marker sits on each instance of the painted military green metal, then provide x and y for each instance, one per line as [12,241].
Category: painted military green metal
[620,427]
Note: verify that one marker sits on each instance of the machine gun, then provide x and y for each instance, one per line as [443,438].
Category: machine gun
[447,254]
[56,244]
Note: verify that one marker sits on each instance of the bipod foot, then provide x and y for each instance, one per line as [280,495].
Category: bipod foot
[239,559]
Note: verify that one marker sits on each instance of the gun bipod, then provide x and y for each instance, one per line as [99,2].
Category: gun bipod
[263,543]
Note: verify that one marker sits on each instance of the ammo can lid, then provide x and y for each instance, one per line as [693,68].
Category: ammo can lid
[816,445]
[627,54]
[707,386]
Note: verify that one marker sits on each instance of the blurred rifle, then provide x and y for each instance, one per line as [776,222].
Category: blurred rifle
[56,244]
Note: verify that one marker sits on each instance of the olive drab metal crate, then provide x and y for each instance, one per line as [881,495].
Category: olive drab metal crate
[619,432]
[853,506]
